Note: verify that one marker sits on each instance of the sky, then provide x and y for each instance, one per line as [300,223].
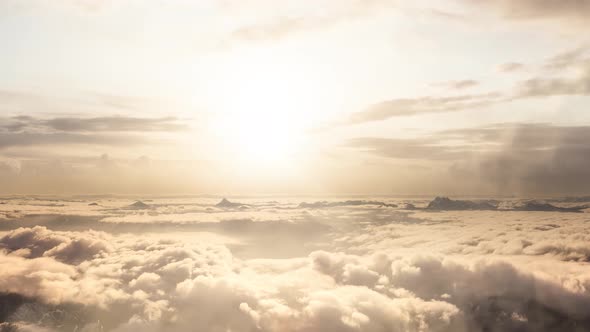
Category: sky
[460,97]
[294,165]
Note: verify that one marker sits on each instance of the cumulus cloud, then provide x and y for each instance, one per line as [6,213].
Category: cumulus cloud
[67,247]
[357,298]
[456,271]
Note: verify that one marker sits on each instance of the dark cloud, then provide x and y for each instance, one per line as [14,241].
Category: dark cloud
[514,157]
[523,137]
[542,171]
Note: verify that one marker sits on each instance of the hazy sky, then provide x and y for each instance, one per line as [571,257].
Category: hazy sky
[365,96]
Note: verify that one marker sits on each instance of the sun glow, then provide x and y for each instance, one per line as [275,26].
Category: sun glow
[264,118]
[261,137]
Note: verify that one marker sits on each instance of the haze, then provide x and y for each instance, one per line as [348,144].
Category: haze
[294,165]
[385,97]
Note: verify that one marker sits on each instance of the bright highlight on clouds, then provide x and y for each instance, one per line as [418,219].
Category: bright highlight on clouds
[339,265]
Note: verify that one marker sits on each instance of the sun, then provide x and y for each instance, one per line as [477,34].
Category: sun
[259,136]
[265,107]
[262,123]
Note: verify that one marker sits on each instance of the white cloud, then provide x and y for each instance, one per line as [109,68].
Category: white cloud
[378,269]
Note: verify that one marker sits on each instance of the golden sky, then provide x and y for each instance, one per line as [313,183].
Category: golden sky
[353,96]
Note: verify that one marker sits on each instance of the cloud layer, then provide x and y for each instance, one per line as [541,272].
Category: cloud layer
[375,268]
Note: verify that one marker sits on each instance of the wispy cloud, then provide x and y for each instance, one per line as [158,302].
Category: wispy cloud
[542,84]
[91,124]
[413,106]
[572,13]
[457,85]
[44,139]
[510,67]
[333,14]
